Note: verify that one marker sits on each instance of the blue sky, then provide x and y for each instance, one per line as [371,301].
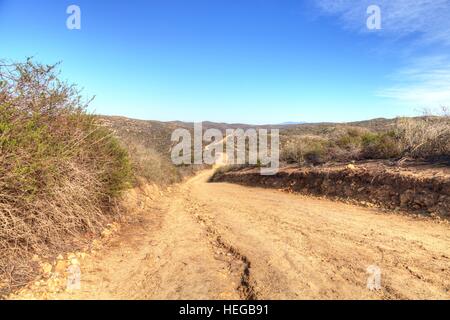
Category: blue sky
[251,61]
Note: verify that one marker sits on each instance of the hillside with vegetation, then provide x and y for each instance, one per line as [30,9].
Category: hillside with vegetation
[60,171]
[423,138]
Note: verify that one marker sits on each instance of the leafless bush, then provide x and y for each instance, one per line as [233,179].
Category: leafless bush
[424,138]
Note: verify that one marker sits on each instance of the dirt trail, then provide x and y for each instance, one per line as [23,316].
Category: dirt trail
[224,241]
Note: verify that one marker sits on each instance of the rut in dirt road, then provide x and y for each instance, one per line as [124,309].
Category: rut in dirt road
[237,262]
[308,248]
[223,241]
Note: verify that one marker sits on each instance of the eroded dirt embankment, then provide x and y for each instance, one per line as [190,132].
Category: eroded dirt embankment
[414,188]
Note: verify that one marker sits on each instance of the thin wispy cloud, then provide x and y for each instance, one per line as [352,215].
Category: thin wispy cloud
[429,19]
[423,81]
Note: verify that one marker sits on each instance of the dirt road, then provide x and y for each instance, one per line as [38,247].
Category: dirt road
[223,241]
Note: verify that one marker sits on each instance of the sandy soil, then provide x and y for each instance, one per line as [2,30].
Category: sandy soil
[224,241]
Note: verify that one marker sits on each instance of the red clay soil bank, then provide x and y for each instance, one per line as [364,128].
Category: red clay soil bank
[417,188]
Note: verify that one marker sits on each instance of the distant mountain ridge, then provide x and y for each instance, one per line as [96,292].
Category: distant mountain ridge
[289,123]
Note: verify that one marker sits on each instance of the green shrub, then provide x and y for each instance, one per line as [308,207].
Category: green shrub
[426,138]
[305,149]
[316,153]
[350,139]
[60,171]
[381,146]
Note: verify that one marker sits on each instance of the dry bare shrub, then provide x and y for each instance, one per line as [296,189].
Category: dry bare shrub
[424,138]
[59,170]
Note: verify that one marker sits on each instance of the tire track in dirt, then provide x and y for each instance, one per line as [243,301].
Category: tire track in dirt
[238,264]
[223,241]
[307,248]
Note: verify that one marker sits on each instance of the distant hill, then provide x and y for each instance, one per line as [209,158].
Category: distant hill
[289,123]
[157,133]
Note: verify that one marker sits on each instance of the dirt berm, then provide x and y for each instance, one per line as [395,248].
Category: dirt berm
[416,188]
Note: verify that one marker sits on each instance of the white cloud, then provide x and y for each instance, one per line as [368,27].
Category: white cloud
[429,18]
[424,83]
